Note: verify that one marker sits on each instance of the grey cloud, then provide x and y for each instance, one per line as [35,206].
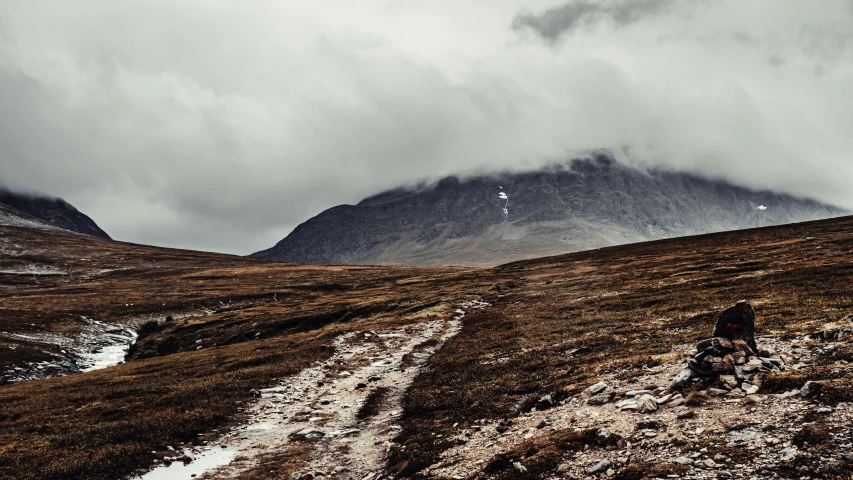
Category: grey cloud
[567,18]
[743,37]
[776,60]
[221,126]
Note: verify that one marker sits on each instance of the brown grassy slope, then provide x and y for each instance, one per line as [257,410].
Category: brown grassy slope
[120,282]
[103,424]
[627,305]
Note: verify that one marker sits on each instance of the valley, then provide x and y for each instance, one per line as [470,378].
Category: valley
[306,371]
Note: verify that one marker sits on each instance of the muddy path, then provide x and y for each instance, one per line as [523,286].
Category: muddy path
[343,410]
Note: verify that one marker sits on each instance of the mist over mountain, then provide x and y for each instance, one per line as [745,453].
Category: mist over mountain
[40,211]
[491,219]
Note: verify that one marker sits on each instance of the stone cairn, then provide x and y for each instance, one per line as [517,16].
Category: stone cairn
[731,355]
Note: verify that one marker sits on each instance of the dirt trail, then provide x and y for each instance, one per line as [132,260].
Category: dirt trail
[321,404]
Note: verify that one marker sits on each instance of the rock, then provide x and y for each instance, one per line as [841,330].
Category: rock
[501,428]
[634,393]
[749,388]
[788,454]
[721,366]
[729,380]
[359,386]
[647,404]
[742,435]
[741,347]
[596,389]
[345,374]
[717,392]
[824,410]
[628,405]
[789,394]
[310,434]
[519,467]
[686,413]
[603,436]
[600,467]
[847,457]
[736,393]
[545,403]
[663,399]
[542,424]
[295,476]
[722,343]
[563,468]
[254,393]
[751,365]
[599,399]
[704,344]
[809,389]
[684,460]
[682,378]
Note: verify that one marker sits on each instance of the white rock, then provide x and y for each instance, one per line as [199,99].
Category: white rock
[647,404]
[597,388]
[682,378]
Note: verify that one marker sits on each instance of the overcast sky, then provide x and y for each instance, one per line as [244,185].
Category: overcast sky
[222,124]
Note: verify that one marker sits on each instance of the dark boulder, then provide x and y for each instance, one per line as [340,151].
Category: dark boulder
[738,323]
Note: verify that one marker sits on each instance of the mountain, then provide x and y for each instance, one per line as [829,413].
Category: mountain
[491,219]
[38,211]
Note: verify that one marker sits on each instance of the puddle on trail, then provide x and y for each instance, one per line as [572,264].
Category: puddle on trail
[204,461]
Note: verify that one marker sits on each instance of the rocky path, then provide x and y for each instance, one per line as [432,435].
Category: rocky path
[344,408]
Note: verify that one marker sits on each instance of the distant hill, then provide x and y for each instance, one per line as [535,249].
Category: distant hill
[18,209]
[580,205]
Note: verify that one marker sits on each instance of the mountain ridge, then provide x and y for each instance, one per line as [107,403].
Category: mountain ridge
[579,205]
[42,211]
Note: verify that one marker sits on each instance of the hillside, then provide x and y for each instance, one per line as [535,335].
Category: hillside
[582,205]
[266,370]
[40,211]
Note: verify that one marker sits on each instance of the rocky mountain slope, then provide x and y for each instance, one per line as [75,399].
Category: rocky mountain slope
[488,220]
[37,211]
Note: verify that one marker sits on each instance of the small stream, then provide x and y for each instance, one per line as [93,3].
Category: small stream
[98,345]
[113,347]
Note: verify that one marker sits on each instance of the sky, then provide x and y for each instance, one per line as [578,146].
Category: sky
[222,124]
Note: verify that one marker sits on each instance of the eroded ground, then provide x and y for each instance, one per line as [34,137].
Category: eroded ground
[440,390]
